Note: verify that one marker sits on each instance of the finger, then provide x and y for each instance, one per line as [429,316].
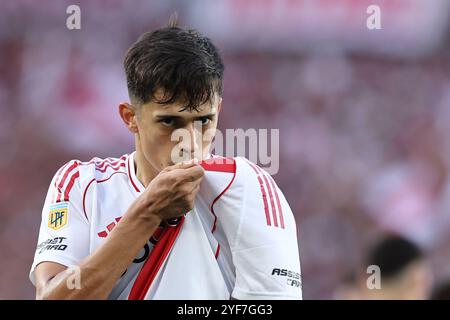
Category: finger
[182,165]
[194,173]
[195,189]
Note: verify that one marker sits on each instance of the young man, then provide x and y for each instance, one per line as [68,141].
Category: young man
[147,226]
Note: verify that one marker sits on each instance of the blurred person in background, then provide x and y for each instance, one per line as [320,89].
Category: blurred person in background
[405,271]
[442,291]
[348,288]
[367,109]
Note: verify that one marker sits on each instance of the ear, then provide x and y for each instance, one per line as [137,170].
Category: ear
[128,114]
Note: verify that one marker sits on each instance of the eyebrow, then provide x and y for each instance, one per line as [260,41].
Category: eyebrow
[209,115]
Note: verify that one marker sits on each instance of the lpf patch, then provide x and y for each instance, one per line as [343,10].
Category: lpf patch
[57,217]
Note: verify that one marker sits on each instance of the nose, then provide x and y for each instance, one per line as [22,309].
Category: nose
[191,143]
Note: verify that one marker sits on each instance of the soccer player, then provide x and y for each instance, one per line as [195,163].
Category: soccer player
[144,226]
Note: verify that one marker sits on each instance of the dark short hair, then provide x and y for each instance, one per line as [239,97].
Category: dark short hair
[183,63]
[393,254]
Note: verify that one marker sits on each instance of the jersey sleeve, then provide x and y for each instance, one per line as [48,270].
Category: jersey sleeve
[265,251]
[64,229]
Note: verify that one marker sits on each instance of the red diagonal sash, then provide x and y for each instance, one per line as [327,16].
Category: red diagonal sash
[154,262]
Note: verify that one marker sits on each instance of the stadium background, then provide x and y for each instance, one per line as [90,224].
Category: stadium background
[363,115]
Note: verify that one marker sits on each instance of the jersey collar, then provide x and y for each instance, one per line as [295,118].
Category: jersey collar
[136,185]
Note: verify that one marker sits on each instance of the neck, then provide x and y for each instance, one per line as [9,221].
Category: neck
[144,170]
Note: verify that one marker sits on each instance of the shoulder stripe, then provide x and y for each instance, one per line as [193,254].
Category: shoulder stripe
[100,163]
[113,167]
[69,169]
[66,173]
[58,175]
[60,185]
[267,183]
[280,211]
[272,204]
[69,187]
[109,161]
[263,192]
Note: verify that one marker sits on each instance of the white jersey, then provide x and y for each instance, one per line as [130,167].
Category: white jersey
[239,241]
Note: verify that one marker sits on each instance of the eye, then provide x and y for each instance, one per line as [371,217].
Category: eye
[205,121]
[167,122]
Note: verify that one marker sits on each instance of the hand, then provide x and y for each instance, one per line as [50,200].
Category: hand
[172,192]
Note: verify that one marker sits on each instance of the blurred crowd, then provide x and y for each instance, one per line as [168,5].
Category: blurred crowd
[363,137]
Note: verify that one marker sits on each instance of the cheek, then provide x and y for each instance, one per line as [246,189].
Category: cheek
[208,135]
[151,133]
[158,147]
[206,142]
[148,137]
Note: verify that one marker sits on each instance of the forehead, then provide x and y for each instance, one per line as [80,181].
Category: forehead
[175,109]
